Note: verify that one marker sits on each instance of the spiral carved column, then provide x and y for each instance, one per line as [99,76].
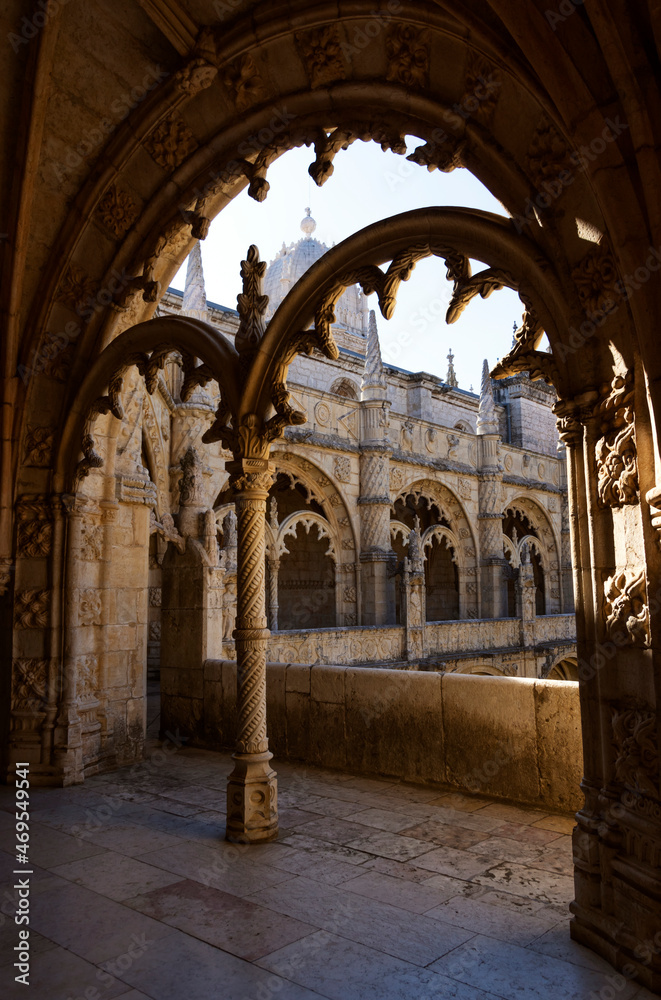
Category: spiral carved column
[252,813]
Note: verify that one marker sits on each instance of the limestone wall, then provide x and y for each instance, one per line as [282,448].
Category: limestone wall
[512,738]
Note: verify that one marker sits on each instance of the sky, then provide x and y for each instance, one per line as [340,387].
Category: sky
[368,185]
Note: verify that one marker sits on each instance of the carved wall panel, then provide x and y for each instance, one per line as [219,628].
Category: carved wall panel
[342,469]
[244,82]
[625,608]
[636,747]
[117,211]
[29,685]
[91,543]
[35,526]
[170,143]
[31,608]
[39,445]
[89,607]
[408,55]
[321,51]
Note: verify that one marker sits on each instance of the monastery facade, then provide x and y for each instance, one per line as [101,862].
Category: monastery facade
[388,463]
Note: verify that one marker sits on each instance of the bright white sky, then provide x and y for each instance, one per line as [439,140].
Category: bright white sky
[369,185]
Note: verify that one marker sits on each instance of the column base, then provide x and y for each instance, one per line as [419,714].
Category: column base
[252,799]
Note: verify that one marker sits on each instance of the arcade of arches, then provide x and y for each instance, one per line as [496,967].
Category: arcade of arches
[121,145]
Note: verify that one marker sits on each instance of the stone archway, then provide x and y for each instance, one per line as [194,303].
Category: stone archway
[518,136]
[543,543]
[451,511]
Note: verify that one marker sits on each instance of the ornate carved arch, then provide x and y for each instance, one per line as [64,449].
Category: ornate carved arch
[330,497]
[460,531]
[546,545]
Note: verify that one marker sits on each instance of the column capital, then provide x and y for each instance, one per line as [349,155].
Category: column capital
[252,476]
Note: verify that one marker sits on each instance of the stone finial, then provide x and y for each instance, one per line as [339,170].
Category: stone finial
[195,299]
[451,377]
[373,373]
[487,418]
[308,224]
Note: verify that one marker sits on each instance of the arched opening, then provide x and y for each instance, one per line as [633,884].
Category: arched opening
[306,581]
[441,580]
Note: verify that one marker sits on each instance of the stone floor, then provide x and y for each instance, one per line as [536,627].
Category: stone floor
[375,890]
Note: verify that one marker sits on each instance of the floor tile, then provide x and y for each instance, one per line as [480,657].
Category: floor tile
[531,834]
[414,938]
[346,970]
[494,921]
[334,830]
[58,974]
[458,864]
[525,881]
[390,845]
[520,974]
[222,866]
[115,875]
[560,824]
[239,926]
[413,896]
[381,819]
[445,834]
[92,926]
[180,967]
[326,849]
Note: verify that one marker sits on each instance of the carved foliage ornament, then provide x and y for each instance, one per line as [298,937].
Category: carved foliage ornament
[548,154]
[408,56]
[637,757]
[615,452]
[321,51]
[39,445]
[595,279]
[29,685]
[35,527]
[117,211]
[244,82]
[625,608]
[170,142]
[31,608]
[481,89]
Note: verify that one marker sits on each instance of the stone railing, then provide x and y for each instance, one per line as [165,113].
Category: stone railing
[511,738]
[550,628]
[378,644]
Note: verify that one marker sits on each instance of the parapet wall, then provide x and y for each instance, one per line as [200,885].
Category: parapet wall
[512,738]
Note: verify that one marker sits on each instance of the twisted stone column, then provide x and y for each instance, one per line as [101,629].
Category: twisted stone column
[274,569]
[252,813]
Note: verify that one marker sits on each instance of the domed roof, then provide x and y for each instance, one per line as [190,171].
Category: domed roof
[291,264]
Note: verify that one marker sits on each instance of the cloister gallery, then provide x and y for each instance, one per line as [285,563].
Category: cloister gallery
[166,493]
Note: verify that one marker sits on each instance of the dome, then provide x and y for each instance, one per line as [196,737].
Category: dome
[293,261]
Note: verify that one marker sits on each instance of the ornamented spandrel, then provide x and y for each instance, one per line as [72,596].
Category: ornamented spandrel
[31,608]
[321,52]
[625,608]
[636,747]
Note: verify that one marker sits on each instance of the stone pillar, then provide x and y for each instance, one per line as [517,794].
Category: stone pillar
[566,563]
[377,589]
[252,813]
[526,612]
[67,735]
[274,569]
[413,597]
[490,516]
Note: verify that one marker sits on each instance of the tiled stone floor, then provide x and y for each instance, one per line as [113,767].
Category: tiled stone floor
[376,890]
